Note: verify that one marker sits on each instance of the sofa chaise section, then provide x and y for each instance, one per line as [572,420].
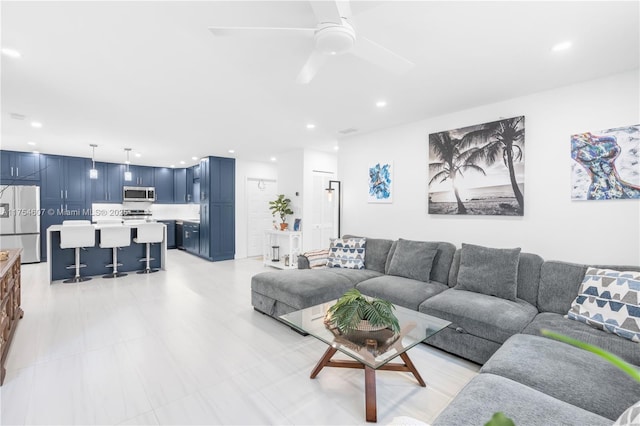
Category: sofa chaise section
[567,373]
[487,394]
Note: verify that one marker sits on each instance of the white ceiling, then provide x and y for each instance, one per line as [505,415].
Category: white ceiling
[150,76]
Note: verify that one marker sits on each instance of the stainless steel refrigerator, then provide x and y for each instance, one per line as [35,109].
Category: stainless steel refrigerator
[20,220]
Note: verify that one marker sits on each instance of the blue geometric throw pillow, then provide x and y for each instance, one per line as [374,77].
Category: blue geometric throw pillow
[347,253]
[610,301]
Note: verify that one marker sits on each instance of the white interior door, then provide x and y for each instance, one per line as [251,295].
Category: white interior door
[259,193]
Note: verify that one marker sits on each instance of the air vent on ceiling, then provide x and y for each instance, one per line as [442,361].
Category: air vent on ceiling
[347,131]
[17,116]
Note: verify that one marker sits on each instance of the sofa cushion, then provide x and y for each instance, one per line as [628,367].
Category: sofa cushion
[441,263]
[489,317]
[624,348]
[347,253]
[487,394]
[559,283]
[489,271]
[401,291]
[560,369]
[412,259]
[529,267]
[609,300]
[376,253]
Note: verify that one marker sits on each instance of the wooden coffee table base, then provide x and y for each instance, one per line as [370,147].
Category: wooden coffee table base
[369,376]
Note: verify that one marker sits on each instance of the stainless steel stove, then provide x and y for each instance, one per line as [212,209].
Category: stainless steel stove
[136,214]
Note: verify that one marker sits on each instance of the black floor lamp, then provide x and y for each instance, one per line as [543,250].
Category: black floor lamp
[330,190]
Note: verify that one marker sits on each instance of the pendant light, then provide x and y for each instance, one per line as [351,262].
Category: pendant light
[93,173]
[128,176]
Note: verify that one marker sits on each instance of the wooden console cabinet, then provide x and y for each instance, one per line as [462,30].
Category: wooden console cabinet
[10,310]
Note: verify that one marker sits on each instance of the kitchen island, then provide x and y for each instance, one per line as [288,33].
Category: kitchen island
[97,258]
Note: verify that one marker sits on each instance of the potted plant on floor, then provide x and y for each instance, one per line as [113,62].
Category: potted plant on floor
[353,311]
[281,206]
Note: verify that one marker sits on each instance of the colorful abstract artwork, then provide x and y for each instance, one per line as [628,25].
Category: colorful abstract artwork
[381,183]
[606,164]
[478,170]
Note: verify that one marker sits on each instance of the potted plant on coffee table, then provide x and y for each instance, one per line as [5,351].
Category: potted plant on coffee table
[353,311]
[281,206]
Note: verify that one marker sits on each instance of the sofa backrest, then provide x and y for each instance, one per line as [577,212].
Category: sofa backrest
[560,281]
[375,253]
[441,263]
[529,267]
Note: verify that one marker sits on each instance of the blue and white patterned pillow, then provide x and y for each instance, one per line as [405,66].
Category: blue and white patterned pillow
[609,300]
[347,253]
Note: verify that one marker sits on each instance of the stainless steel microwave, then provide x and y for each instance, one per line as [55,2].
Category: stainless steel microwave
[137,193]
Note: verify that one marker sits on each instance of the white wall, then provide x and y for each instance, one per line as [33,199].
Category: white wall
[244,170]
[553,226]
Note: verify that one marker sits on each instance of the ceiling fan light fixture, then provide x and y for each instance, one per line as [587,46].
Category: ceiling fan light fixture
[335,39]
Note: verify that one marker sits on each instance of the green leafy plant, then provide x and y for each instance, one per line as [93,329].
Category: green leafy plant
[353,307]
[499,419]
[281,207]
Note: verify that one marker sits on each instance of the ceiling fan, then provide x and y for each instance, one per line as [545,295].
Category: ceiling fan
[334,35]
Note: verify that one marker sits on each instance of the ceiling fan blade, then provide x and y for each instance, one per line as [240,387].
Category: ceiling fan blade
[331,10]
[261,31]
[311,67]
[381,56]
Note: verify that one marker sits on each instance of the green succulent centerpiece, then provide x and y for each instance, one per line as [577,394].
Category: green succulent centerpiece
[354,311]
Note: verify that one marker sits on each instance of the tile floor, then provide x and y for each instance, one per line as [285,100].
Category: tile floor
[184,346]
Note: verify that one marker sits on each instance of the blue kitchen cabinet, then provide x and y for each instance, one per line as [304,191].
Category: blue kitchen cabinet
[217,208]
[171,233]
[64,193]
[107,188]
[191,237]
[180,186]
[19,167]
[163,178]
[141,176]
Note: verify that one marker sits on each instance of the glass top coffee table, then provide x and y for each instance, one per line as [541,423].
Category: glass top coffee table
[371,350]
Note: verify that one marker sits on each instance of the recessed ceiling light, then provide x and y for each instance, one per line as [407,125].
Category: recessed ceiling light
[561,46]
[381,104]
[36,124]
[31,143]
[336,147]
[273,158]
[231,151]
[311,126]
[12,53]
[137,154]
[194,158]
[181,162]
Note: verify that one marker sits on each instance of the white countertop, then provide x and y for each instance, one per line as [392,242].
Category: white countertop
[130,224]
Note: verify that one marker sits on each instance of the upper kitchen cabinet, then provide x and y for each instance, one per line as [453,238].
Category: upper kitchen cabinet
[141,176]
[108,187]
[180,186]
[19,167]
[163,178]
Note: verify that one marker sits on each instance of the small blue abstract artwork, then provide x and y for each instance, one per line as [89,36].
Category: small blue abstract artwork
[380,183]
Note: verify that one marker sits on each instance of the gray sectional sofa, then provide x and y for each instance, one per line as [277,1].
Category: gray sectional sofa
[532,379]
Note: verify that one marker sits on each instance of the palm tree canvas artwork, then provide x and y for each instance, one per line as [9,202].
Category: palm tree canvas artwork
[606,164]
[478,170]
